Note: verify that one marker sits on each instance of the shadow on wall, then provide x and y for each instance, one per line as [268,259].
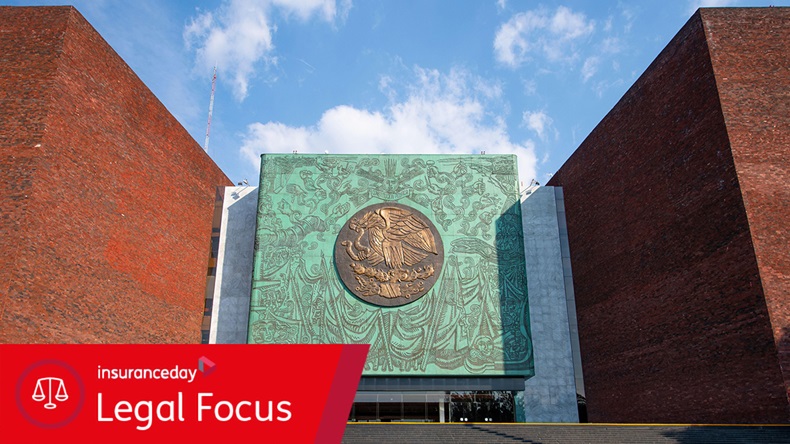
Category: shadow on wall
[488,297]
[581,403]
[783,348]
[513,297]
[751,434]
[710,434]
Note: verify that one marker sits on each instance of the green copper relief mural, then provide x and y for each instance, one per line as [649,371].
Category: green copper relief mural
[420,256]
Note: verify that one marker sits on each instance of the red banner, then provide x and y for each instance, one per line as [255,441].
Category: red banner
[177,393]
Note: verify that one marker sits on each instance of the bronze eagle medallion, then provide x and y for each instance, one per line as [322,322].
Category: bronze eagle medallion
[389,254]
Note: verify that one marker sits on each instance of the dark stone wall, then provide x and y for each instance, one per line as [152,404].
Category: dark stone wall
[672,316]
[113,239]
[750,50]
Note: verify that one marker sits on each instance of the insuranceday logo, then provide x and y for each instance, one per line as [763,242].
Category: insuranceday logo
[176,406]
[51,394]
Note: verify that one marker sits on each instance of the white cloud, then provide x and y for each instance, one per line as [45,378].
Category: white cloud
[695,4]
[628,11]
[530,87]
[237,37]
[589,68]
[540,32]
[440,113]
[611,45]
[304,9]
[569,25]
[275,135]
[602,86]
[539,122]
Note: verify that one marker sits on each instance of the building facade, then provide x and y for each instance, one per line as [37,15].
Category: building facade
[677,208]
[423,258]
[92,251]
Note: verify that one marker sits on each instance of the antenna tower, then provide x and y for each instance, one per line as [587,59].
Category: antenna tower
[210,107]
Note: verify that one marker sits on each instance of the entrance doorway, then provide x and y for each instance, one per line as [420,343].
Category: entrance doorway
[436,406]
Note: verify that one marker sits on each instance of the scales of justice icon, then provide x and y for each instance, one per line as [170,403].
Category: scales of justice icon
[39,394]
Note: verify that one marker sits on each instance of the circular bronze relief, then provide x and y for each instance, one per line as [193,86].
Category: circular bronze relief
[389,254]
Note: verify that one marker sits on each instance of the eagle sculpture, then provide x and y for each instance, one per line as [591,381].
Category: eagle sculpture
[395,236]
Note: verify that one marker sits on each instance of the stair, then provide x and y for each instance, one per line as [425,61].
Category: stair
[562,433]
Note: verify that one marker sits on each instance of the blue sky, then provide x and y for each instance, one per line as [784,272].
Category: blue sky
[406,76]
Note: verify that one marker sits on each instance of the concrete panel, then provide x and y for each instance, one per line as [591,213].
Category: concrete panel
[234,267]
[550,395]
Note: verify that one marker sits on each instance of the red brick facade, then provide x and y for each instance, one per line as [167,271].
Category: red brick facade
[751,59]
[677,206]
[105,200]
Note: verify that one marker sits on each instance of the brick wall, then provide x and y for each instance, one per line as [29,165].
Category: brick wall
[113,244]
[29,62]
[672,316]
[750,50]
